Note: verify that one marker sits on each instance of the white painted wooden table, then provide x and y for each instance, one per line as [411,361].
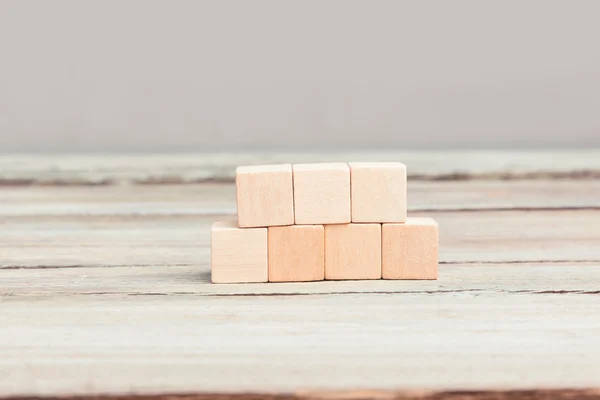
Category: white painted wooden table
[104,286]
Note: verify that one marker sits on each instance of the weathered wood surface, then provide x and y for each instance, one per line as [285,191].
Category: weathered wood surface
[146,343]
[488,279]
[485,236]
[156,168]
[104,289]
[217,199]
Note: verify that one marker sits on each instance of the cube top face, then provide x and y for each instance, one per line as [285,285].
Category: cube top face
[265,195]
[410,250]
[353,251]
[224,225]
[321,167]
[421,222]
[322,193]
[296,253]
[238,255]
[378,192]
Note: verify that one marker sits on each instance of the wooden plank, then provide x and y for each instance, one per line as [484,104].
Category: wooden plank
[184,240]
[186,343]
[215,199]
[498,279]
[64,169]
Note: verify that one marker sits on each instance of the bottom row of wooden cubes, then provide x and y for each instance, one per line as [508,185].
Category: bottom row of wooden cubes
[302,253]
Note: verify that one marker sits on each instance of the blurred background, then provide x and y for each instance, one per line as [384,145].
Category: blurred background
[170,76]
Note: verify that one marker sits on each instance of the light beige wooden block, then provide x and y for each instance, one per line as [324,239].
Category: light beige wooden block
[238,255]
[353,251]
[322,193]
[410,250]
[296,253]
[264,195]
[378,191]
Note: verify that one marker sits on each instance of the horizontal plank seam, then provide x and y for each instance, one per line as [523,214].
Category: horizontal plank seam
[221,214]
[468,262]
[283,294]
[531,394]
[504,209]
[34,267]
[107,180]
[520,262]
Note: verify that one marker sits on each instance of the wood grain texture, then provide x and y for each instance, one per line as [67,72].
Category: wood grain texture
[567,278]
[106,289]
[264,195]
[378,191]
[218,199]
[353,251]
[238,255]
[322,193]
[410,250]
[509,236]
[157,344]
[102,169]
[296,253]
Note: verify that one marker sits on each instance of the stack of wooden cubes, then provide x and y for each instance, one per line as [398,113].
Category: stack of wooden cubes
[334,221]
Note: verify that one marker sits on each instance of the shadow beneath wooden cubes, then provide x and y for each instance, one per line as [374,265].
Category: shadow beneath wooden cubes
[202,276]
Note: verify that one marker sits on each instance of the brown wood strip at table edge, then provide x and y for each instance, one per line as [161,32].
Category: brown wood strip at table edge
[532,394]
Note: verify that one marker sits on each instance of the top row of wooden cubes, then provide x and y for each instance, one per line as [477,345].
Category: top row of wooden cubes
[329,193]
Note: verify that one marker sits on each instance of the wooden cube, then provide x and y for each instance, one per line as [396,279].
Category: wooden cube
[264,195]
[378,191]
[410,250]
[296,253]
[238,255]
[322,193]
[353,251]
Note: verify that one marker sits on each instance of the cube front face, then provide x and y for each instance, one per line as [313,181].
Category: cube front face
[410,250]
[264,196]
[378,192]
[353,251]
[238,255]
[322,193]
[296,253]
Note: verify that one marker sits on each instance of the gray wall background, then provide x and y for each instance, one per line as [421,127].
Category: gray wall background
[202,75]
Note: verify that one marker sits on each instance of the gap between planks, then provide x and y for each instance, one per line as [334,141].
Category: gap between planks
[474,262]
[533,394]
[220,214]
